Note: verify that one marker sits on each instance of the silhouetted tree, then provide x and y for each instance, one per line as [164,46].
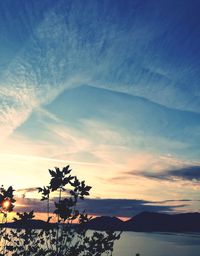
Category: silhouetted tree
[61,239]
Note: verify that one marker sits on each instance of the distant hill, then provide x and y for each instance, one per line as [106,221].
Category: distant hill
[143,222]
[32,224]
[149,222]
[105,223]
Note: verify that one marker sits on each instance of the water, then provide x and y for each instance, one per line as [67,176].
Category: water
[157,244]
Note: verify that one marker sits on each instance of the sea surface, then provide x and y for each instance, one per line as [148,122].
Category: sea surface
[157,244]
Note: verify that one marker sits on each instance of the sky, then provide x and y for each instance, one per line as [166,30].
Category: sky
[111,87]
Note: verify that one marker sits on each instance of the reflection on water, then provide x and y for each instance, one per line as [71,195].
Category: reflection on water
[157,244]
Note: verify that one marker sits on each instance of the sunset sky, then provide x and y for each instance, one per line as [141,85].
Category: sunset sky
[111,87]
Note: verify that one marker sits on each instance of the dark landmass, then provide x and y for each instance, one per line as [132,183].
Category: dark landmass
[29,224]
[150,222]
[143,222]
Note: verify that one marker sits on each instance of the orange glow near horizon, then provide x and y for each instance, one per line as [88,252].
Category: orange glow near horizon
[6,204]
[43,216]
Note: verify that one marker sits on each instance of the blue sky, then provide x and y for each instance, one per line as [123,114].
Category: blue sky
[111,87]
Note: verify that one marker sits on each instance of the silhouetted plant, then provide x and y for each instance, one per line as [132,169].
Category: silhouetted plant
[6,205]
[6,200]
[64,237]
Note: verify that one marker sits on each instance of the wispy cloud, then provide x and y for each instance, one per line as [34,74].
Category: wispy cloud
[26,190]
[87,55]
[109,207]
[16,105]
[188,173]
[102,127]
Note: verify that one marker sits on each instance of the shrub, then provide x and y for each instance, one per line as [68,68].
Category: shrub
[62,238]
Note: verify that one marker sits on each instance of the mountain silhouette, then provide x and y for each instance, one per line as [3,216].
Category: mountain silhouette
[143,222]
[149,222]
[105,223]
[29,224]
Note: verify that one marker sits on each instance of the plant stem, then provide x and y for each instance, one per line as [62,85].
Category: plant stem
[58,221]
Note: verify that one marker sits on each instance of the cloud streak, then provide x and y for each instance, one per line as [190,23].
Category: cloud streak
[102,87]
[40,70]
[108,207]
[187,173]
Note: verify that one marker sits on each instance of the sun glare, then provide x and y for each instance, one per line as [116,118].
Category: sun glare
[6,204]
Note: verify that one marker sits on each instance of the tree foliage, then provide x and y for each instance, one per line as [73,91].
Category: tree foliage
[62,238]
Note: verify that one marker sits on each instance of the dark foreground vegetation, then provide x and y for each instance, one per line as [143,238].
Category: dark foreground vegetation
[53,239]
